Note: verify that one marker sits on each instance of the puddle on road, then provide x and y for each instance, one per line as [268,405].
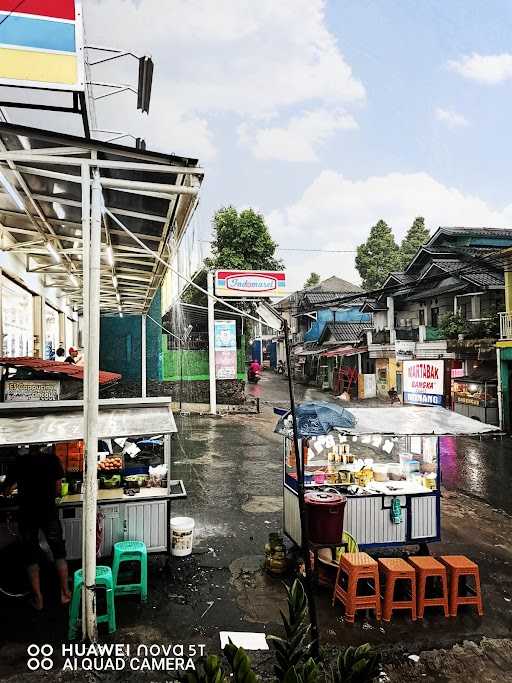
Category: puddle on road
[260,596]
[263,504]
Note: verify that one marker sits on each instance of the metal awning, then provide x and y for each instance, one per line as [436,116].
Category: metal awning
[41,202]
[311,352]
[344,351]
[69,425]
[415,420]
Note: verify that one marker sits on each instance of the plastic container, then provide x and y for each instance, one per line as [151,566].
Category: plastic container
[182,536]
[395,472]
[324,513]
[411,467]
[380,472]
[319,477]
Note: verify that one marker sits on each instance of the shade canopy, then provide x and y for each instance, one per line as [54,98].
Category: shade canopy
[408,420]
[69,425]
[41,211]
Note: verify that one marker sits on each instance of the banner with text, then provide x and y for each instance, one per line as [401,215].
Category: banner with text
[250,283]
[423,382]
[225,349]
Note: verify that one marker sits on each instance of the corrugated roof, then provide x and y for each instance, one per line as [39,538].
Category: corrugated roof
[314,297]
[335,284]
[53,367]
[342,332]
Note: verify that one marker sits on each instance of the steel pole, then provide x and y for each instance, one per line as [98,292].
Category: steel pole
[308,583]
[211,346]
[143,355]
[91,409]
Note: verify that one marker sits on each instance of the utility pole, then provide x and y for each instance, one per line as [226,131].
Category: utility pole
[308,583]
[211,346]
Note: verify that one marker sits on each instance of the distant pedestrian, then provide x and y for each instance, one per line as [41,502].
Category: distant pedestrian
[393,396]
[72,356]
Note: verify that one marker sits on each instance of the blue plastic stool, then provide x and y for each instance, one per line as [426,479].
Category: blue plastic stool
[103,578]
[125,551]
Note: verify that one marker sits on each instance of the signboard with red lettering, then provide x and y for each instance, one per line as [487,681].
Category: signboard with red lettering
[250,283]
[423,382]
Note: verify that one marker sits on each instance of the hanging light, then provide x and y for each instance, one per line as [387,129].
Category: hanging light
[59,210]
[12,192]
[51,250]
[110,255]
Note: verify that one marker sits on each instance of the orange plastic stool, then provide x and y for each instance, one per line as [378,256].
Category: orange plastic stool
[460,566]
[354,567]
[427,567]
[392,570]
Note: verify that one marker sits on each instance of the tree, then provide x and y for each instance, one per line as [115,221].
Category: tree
[416,236]
[242,240]
[378,256]
[312,280]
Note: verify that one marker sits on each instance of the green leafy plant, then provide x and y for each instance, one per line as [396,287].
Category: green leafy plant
[208,670]
[240,664]
[453,324]
[293,652]
[357,665]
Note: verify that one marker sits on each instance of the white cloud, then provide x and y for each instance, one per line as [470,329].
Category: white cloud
[299,139]
[487,69]
[250,59]
[451,118]
[339,212]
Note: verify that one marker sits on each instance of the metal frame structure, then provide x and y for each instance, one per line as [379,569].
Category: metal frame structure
[42,220]
[58,209]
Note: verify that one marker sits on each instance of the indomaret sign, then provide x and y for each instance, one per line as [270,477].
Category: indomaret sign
[423,382]
[250,283]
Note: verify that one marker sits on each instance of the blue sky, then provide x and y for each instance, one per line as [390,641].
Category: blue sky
[325,116]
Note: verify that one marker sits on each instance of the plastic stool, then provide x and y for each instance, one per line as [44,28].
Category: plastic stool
[103,578]
[125,551]
[427,567]
[394,569]
[460,566]
[357,567]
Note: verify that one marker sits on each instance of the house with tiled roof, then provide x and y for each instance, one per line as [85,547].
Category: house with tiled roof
[453,277]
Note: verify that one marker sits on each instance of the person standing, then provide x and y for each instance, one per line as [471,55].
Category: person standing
[72,356]
[38,476]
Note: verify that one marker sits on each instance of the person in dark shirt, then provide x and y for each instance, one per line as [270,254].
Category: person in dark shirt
[37,476]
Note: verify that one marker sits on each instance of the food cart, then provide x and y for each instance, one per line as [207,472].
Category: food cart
[476,397]
[133,503]
[390,458]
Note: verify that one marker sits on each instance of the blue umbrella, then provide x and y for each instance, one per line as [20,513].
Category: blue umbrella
[315,418]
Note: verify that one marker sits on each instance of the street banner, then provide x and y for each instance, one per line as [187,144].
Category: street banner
[423,382]
[41,44]
[250,283]
[225,349]
[405,350]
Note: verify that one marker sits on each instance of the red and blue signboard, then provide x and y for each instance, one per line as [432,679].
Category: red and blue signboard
[250,283]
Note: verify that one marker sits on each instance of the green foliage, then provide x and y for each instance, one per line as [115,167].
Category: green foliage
[453,324]
[240,664]
[357,665]
[415,237]
[378,256]
[294,651]
[241,240]
[312,280]
[191,295]
[308,673]
[208,670]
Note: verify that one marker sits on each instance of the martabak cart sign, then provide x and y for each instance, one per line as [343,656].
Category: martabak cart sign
[250,283]
[423,382]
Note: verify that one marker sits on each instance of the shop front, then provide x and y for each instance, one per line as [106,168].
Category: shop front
[134,473]
[386,466]
[476,397]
